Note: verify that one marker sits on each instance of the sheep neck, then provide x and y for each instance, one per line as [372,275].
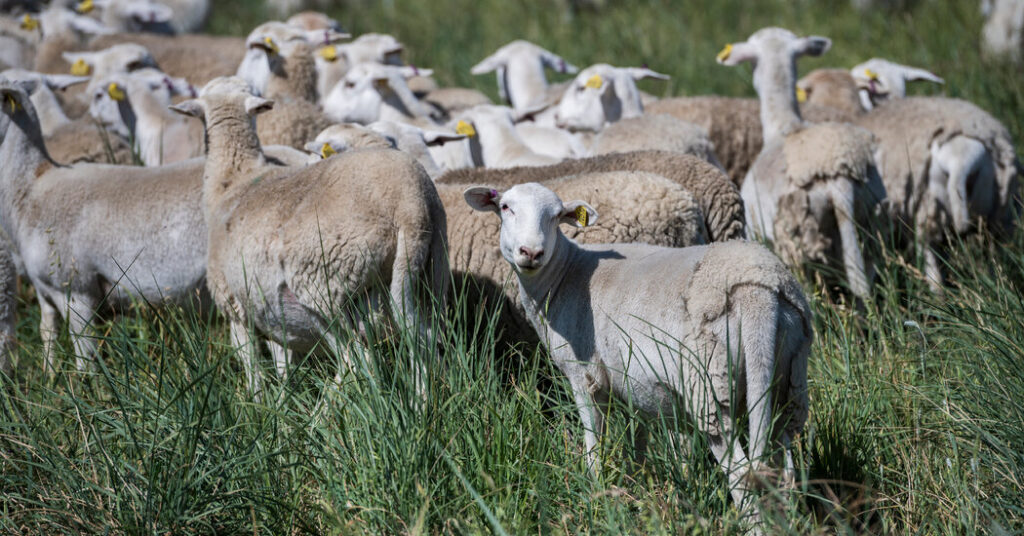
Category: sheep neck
[150,126]
[299,77]
[537,290]
[23,157]
[51,116]
[500,144]
[234,152]
[525,83]
[775,81]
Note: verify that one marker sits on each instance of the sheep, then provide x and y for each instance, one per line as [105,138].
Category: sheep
[385,135]
[812,184]
[718,198]
[8,308]
[831,88]
[552,141]
[334,60]
[89,234]
[659,212]
[122,58]
[316,241]
[879,79]
[602,94]
[134,106]
[724,329]
[496,143]
[417,142]
[1004,26]
[372,92]
[655,132]
[51,115]
[196,57]
[519,66]
[945,162]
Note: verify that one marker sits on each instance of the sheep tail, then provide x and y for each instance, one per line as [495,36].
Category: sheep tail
[759,321]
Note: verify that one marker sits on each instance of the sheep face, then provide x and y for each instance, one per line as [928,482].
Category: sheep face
[878,80]
[270,45]
[109,104]
[772,51]
[602,94]
[366,88]
[530,215]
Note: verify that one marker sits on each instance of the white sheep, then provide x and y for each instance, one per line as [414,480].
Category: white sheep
[715,331]
[292,250]
[519,67]
[494,140]
[602,94]
[1004,28]
[410,139]
[48,109]
[879,80]
[334,60]
[812,185]
[372,92]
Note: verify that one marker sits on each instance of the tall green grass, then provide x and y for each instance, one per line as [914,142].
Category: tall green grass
[917,401]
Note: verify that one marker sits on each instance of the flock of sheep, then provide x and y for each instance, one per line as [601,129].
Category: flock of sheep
[306,182]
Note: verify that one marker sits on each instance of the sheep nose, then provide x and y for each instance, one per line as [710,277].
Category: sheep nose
[532,254]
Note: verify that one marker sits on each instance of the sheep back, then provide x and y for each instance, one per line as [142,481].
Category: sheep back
[655,132]
[291,122]
[827,150]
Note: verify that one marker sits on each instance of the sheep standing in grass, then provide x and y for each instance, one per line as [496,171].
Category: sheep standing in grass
[723,330]
[292,251]
[812,185]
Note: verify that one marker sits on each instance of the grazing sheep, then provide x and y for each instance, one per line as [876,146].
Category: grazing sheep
[90,234]
[946,163]
[718,198]
[602,94]
[134,106]
[496,143]
[812,185]
[292,250]
[721,330]
[643,207]
[656,133]
[1004,28]
[519,66]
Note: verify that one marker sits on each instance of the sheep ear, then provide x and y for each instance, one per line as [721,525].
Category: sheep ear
[189,107]
[556,63]
[63,81]
[913,73]
[483,199]
[435,138]
[256,105]
[488,64]
[578,213]
[409,71]
[326,37]
[814,45]
[641,73]
[737,53]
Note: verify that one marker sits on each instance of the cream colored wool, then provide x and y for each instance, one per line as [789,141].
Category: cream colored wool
[634,207]
[655,132]
[825,150]
[296,118]
[198,58]
[451,100]
[83,140]
[832,89]
[718,198]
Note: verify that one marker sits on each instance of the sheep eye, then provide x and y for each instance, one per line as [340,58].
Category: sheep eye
[350,85]
[504,208]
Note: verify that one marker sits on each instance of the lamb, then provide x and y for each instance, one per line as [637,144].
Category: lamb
[945,162]
[654,210]
[134,106]
[496,143]
[89,234]
[812,185]
[655,132]
[653,326]
[718,198]
[1004,26]
[519,66]
[296,248]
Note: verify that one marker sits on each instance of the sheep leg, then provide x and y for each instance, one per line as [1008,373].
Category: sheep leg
[960,157]
[853,257]
[735,464]
[243,341]
[932,270]
[48,333]
[591,404]
[80,313]
[280,355]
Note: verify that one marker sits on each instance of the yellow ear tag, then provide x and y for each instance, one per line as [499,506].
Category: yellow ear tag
[726,51]
[28,23]
[84,6]
[115,91]
[381,83]
[80,68]
[12,103]
[328,53]
[582,216]
[327,151]
[465,129]
[872,75]
[271,45]
[594,82]
[801,95]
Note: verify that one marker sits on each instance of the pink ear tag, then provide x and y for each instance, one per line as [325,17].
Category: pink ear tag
[494,193]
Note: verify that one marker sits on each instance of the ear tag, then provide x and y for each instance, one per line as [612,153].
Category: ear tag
[724,54]
[12,103]
[582,216]
[28,23]
[594,82]
[80,68]
[328,53]
[271,45]
[115,91]
[801,95]
[381,83]
[327,151]
[465,129]
[84,6]
[872,75]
